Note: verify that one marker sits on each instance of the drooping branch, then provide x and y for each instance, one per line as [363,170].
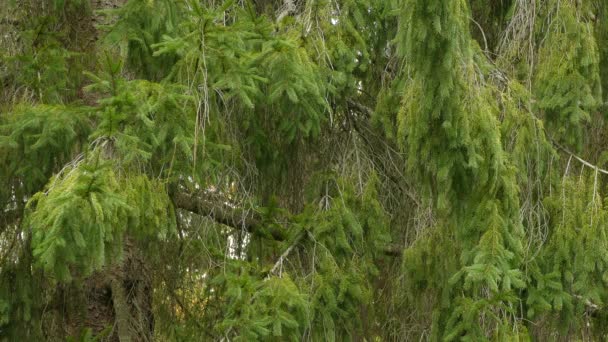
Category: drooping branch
[221,211]
[226,214]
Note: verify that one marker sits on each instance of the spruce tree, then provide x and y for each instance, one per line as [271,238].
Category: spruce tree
[318,170]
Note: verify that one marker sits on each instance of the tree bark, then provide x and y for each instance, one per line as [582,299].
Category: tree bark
[115,303]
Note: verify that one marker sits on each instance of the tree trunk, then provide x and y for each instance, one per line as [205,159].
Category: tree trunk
[115,302]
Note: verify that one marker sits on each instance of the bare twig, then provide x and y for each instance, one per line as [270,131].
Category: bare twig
[583,161]
[279,262]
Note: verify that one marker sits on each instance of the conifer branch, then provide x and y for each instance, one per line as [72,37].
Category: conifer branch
[223,213]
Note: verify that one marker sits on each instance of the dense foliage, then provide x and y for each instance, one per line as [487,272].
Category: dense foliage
[370,170]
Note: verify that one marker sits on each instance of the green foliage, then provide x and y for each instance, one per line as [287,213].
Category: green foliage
[139,26]
[523,134]
[276,87]
[303,170]
[448,123]
[343,244]
[21,300]
[347,240]
[47,66]
[36,141]
[293,82]
[567,81]
[145,122]
[601,32]
[152,218]
[44,72]
[268,309]
[387,107]
[78,221]
[452,137]
[572,273]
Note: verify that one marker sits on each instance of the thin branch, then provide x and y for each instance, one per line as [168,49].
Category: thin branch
[367,112]
[230,216]
[222,212]
[485,41]
[583,161]
[285,254]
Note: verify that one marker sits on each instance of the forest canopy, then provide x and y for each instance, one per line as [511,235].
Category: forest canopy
[306,170]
